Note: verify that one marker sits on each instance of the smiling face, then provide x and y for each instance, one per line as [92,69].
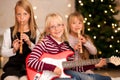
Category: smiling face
[54,26]
[56,29]
[75,25]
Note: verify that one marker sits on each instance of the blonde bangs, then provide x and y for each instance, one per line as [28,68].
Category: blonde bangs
[32,24]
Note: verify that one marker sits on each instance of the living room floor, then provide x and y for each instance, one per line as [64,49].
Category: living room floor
[109,72]
[106,72]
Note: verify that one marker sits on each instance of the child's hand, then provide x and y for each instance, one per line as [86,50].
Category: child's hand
[26,39]
[101,63]
[58,71]
[77,46]
[82,39]
[16,45]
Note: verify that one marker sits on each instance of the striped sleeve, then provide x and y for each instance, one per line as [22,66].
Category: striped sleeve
[34,61]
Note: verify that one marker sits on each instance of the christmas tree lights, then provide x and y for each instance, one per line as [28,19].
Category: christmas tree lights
[101,25]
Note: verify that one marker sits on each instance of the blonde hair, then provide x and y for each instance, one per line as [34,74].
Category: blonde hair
[71,18]
[49,18]
[32,24]
[79,16]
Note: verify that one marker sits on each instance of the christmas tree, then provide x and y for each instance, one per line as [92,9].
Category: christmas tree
[101,25]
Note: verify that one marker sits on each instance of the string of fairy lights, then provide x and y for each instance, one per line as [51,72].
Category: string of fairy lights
[113,25]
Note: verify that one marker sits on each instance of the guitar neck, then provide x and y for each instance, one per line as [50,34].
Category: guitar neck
[70,64]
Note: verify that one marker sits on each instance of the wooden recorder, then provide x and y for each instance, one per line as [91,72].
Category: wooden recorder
[79,35]
[21,41]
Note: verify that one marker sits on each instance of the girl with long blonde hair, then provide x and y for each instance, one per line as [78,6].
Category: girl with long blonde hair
[20,37]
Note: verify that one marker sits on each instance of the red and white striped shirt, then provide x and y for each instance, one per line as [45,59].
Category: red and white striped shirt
[47,45]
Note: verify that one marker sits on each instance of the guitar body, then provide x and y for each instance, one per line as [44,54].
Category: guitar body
[55,59]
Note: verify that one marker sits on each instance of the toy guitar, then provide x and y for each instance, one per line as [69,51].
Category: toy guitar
[60,60]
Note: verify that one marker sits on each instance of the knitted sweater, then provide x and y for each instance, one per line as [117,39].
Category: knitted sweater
[89,46]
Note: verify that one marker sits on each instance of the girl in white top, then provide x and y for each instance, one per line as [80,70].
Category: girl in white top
[14,69]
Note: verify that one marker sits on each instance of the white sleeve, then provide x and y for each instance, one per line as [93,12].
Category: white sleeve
[37,38]
[6,50]
[91,48]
